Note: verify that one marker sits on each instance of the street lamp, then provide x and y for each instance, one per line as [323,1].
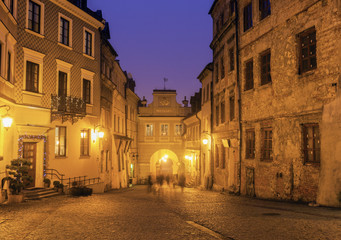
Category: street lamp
[6,120]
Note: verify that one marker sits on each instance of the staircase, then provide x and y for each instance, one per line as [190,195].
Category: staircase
[39,193]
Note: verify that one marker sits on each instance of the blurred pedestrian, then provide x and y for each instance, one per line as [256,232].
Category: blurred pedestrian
[167,180]
[182,182]
[150,183]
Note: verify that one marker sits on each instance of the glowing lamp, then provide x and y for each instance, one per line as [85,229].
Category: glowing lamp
[205,141]
[101,134]
[7,122]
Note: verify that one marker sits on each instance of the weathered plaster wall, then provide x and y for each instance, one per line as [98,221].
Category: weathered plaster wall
[330,181]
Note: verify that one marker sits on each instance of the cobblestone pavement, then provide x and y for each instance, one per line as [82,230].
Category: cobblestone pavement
[167,214]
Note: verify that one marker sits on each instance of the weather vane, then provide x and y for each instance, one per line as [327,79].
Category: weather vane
[164,83]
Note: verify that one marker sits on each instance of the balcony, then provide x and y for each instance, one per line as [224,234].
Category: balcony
[67,108]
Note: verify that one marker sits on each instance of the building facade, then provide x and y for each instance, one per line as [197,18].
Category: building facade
[225,91]
[52,87]
[160,129]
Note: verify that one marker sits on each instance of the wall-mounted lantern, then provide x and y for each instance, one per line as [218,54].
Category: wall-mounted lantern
[6,120]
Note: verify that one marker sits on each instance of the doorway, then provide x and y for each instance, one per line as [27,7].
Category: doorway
[30,154]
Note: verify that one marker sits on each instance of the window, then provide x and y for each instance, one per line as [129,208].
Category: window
[164,129]
[87,91]
[267,144]
[33,70]
[149,130]
[250,144]
[247,17]
[64,37]
[216,73]
[231,57]
[217,115]
[264,8]
[34,17]
[178,129]
[222,111]
[9,68]
[88,43]
[223,157]
[232,114]
[119,160]
[87,85]
[311,143]
[216,156]
[249,75]
[62,84]
[265,67]
[222,18]
[222,69]
[85,142]
[307,50]
[60,142]
[32,77]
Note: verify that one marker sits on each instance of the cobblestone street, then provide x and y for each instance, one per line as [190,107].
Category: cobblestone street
[168,214]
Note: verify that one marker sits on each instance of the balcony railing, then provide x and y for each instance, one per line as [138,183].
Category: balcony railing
[67,108]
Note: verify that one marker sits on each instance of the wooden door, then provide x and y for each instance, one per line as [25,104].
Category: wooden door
[30,153]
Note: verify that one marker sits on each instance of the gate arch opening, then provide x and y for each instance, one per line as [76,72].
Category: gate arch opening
[165,162]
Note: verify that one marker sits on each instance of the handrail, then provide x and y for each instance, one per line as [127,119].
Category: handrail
[81,180]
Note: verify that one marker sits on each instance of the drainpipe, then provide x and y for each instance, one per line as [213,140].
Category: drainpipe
[239,93]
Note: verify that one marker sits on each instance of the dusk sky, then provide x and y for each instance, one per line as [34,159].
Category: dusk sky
[157,39]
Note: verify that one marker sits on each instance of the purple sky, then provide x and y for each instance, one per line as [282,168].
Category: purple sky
[158,39]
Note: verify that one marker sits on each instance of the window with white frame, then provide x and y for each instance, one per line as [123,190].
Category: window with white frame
[65,30]
[89,42]
[33,71]
[7,44]
[63,78]
[87,85]
[149,130]
[178,129]
[35,16]
[164,129]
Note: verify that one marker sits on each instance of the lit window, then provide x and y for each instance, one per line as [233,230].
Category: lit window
[60,141]
[85,142]
[178,129]
[164,129]
[149,130]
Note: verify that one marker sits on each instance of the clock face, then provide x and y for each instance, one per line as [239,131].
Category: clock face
[164,101]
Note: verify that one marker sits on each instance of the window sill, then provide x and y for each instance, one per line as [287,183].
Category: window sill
[84,156]
[264,19]
[311,164]
[60,157]
[3,80]
[247,30]
[88,56]
[265,85]
[34,33]
[307,73]
[89,105]
[33,93]
[266,160]
[65,46]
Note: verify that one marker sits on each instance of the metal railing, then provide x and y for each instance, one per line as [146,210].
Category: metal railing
[69,182]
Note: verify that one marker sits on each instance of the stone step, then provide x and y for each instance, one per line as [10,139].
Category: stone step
[39,193]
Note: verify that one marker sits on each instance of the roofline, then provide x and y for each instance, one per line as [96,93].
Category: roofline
[80,13]
[207,67]
[213,5]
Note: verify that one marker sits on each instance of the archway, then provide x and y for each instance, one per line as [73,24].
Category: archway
[165,162]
